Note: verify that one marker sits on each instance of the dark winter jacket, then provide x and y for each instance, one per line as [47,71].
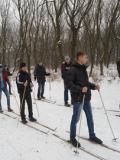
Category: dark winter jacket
[77,78]
[40,73]
[21,78]
[65,67]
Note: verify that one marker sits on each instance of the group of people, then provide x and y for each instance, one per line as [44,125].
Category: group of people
[24,85]
[76,81]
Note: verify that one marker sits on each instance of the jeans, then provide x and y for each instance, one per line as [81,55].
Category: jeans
[41,86]
[9,85]
[76,116]
[28,99]
[66,92]
[7,96]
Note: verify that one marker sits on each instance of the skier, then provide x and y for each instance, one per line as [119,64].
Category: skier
[118,66]
[79,85]
[39,74]
[3,88]
[65,67]
[24,85]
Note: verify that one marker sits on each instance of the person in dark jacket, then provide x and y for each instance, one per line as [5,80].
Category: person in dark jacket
[3,87]
[24,85]
[78,83]
[118,66]
[40,74]
[65,67]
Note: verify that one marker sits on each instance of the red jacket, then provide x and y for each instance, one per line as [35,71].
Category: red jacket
[5,78]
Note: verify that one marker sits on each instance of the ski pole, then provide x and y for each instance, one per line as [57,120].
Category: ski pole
[114,138]
[82,105]
[35,103]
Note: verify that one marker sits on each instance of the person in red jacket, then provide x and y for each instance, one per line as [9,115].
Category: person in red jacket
[8,82]
[3,87]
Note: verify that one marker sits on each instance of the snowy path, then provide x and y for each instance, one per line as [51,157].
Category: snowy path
[23,143]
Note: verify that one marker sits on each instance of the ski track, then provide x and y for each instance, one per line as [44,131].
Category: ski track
[18,142]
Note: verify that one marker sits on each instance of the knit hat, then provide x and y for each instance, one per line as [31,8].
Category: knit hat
[67,58]
[22,65]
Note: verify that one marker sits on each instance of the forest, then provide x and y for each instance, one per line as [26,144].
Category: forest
[45,31]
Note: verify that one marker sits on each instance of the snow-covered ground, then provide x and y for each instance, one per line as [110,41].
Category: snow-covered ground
[19,142]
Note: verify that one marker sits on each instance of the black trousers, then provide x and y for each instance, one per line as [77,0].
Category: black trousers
[27,98]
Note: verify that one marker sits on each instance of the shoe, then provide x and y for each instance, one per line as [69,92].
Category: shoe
[75,143]
[9,109]
[24,121]
[32,119]
[42,97]
[96,140]
[67,105]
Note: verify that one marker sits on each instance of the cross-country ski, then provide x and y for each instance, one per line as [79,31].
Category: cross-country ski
[28,125]
[103,144]
[43,125]
[82,148]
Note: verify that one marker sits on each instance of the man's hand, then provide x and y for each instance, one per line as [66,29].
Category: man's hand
[97,87]
[26,83]
[84,90]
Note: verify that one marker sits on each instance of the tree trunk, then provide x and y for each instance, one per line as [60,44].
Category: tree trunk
[73,44]
[101,68]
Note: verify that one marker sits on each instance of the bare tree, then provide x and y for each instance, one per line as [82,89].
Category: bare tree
[4,11]
[76,11]
[55,11]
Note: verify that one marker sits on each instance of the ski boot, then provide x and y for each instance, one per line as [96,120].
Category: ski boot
[9,109]
[24,121]
[42,97]
[96,140]
[39,98]
[32,119]
[75,143]
[67,105]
